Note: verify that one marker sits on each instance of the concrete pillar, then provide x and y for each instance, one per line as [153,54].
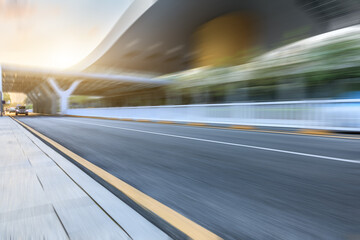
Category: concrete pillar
[63,95]
[51,100]
[45,103]
[40,101]
[34,98]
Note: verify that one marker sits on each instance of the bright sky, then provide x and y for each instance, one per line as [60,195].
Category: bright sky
[54,33]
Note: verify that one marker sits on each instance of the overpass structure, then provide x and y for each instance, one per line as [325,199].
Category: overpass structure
[50,90]
[166,36]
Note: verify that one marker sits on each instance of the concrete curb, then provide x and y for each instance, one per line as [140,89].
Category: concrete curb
[134,224]
[189,228]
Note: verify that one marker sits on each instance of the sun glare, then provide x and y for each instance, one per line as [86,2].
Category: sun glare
[63,59]
[54,34]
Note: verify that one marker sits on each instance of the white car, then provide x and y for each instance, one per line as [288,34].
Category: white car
[21,110]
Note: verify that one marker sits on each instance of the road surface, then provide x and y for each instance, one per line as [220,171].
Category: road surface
[237,184]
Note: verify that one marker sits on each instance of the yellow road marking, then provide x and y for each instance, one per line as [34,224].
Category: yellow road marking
[197,124]
[143,120]
[185,225]
[165,122]
[277,132]
[243,127]
[314,132]
[290,133]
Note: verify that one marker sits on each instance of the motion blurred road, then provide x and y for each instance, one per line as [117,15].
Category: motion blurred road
[237,184]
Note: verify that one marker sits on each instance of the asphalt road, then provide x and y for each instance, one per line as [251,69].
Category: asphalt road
[237,184]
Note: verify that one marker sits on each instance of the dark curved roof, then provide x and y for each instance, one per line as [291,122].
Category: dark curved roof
[160,40]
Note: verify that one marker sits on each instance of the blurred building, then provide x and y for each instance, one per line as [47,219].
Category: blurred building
[177,35]
[210,51]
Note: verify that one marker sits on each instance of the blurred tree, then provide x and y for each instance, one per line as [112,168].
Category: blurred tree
[7,97]
[322,63]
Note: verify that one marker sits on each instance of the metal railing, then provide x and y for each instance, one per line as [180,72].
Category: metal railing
[342,115]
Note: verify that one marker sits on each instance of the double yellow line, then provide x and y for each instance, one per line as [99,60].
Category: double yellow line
[185,225]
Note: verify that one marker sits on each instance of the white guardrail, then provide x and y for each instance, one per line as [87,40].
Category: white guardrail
[341,115]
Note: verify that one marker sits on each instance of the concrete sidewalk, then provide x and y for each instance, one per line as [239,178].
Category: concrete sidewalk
[44,196]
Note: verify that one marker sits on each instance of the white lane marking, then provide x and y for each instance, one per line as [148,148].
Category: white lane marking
[224,143]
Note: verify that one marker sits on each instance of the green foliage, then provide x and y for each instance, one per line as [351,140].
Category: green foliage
[7,97]
[318,62]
